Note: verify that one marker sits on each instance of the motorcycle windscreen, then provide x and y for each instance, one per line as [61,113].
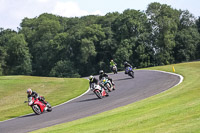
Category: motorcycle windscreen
[30,100]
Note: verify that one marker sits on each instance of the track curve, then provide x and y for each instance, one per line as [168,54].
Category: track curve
[145,84]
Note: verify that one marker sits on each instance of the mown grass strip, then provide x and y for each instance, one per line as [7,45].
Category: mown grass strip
[176,110]
[55,90]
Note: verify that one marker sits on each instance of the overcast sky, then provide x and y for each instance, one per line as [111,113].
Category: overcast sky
[13,11]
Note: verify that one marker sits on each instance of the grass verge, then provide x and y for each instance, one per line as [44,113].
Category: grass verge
[55,90]
[176,110]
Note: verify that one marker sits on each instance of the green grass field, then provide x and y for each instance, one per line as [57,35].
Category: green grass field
[55,90]
[176,110]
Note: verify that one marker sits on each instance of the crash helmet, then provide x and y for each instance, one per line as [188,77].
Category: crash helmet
[111,60]
[101,72]
[125,62]
[91,78]
[29,91]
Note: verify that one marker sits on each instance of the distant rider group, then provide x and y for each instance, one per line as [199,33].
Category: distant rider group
[100,87]
[105,83]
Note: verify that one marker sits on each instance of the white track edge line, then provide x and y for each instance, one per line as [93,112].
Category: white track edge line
[180,76]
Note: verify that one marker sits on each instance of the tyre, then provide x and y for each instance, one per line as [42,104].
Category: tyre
[132,74]
[49,109]
[115,72]
[98,94]
[36,109]
[108,86]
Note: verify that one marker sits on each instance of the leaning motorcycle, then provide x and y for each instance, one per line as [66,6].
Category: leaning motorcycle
[99,91]
[129,71]
[107,83]
[37,106]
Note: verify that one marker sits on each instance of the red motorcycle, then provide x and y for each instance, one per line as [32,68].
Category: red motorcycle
[38,106]
[99,91]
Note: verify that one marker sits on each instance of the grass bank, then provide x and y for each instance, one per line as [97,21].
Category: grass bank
[55,90]
[176,110]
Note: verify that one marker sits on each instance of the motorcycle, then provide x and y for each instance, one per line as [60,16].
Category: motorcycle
[37,106]
[114,69]
[99,91]
[107,83]
[129,71]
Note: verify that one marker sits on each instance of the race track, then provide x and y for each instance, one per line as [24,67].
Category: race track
[145,84]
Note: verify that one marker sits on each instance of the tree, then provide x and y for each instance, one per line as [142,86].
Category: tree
[186,44]
[40,33]
[124,51]
[198,28]
[130,29]
[143,55]
[198,24]
[187,38]
[2,59]
[18,59]
[64,69]
[130,24]
[164,21]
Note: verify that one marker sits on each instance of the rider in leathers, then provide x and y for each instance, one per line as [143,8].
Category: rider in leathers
[102,74]
[112,64]
[94,80]
[35,95]
[126,64]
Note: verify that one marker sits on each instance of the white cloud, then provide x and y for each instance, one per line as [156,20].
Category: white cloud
[43,1]
[13,11]
[68,9]
[71,9]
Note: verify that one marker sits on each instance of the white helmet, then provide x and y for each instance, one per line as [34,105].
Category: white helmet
[29,91]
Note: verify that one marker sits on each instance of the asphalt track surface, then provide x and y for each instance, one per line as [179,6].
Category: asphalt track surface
[145,84]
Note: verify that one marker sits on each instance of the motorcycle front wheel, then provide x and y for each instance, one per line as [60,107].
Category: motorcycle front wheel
[36,109]
[131,74]
[98,94]
[108,86]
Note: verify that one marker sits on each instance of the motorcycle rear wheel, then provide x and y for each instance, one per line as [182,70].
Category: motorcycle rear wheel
[49,109]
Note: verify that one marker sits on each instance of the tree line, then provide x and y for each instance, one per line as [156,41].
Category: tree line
[50,45]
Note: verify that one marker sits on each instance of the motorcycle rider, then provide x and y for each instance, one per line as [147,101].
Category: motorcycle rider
[126,64]
[35,95]
[102,74]
[93,80]
[112,64]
